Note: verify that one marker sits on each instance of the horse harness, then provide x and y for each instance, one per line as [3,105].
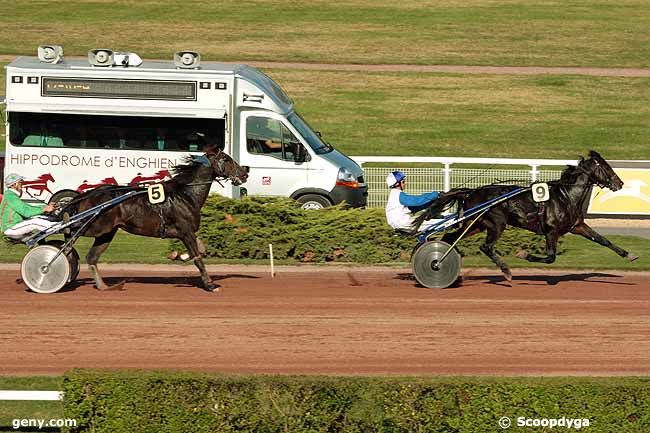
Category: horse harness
[220,167]
[162,222]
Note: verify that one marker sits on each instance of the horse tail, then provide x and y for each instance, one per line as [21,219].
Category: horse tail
[445,201]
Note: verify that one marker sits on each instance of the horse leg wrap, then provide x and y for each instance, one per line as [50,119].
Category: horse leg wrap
[99,283]
[201,246]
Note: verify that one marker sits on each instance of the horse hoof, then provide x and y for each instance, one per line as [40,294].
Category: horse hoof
[631,257]
[118,286]
[115,287]
[508,275]
[522,254]
[210,287]
[173,255]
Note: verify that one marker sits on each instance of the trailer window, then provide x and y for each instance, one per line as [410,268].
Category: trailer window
[115,132]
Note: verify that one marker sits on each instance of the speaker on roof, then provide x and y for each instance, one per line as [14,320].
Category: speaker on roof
[50,53]
[100,57]
[187,59]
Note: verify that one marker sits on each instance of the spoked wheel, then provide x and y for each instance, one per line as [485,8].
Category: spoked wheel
[73,258]
[41,277]
[428,268]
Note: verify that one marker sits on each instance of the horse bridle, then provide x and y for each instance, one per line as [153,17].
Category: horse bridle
[221,166]
[573,207]
[593,179]
[220,162]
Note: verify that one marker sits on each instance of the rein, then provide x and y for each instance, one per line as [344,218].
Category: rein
[216,179]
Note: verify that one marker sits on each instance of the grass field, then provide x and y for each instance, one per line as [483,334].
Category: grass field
[474,115]
[495,32]
[579,254]
[125,248]
[10,410]
[420,114]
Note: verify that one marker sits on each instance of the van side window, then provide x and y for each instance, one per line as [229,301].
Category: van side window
[116,132]
[42,135]
[265,136]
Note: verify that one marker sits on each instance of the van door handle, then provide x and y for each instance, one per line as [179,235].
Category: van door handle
[254,98]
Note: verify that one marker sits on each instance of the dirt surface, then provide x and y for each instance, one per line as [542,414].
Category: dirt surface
[334,321]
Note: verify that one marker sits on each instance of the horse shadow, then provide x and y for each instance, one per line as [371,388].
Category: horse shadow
[176,281]
[550,280]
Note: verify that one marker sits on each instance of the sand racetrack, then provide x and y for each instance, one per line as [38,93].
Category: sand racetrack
[332,320]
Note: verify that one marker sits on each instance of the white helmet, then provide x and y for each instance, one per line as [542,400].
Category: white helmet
[12,179]
[394,177]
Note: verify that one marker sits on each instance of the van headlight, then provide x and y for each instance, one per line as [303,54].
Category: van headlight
[346,178]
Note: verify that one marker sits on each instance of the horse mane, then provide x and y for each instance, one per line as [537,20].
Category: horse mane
[184,173]
[569,173]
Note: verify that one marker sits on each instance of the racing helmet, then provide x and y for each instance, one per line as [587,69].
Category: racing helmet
[394,177]
[12,178]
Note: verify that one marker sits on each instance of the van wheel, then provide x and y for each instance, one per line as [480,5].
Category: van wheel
[313,202]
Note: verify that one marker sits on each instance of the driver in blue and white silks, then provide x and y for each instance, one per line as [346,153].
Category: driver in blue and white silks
[401,206]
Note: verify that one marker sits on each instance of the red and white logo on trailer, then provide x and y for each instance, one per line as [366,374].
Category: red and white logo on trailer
[266,180]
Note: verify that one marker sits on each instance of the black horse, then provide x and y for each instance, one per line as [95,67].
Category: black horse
[177,217]
[564,212]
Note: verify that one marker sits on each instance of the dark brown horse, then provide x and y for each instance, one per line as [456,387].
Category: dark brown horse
[177,217]
[563,213]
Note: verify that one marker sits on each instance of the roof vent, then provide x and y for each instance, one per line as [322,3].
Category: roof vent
[126,59]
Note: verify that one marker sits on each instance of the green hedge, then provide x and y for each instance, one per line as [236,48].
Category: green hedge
[241,229]
[159,402]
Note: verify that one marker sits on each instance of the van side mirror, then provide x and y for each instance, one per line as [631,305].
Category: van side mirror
[300,153]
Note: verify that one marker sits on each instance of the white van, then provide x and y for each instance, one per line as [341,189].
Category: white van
[73,125]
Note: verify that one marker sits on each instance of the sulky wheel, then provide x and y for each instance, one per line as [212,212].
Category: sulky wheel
[430,271]
[40,277]
[73,258]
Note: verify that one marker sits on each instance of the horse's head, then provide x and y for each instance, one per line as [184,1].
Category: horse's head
[225,167]
[600,172]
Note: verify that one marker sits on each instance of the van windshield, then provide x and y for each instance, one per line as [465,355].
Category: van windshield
[315,142]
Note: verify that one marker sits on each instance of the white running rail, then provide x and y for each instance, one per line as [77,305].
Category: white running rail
[444,173]
[31,395]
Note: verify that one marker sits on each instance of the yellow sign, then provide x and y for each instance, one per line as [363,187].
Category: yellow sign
[156,193]
[632,199]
